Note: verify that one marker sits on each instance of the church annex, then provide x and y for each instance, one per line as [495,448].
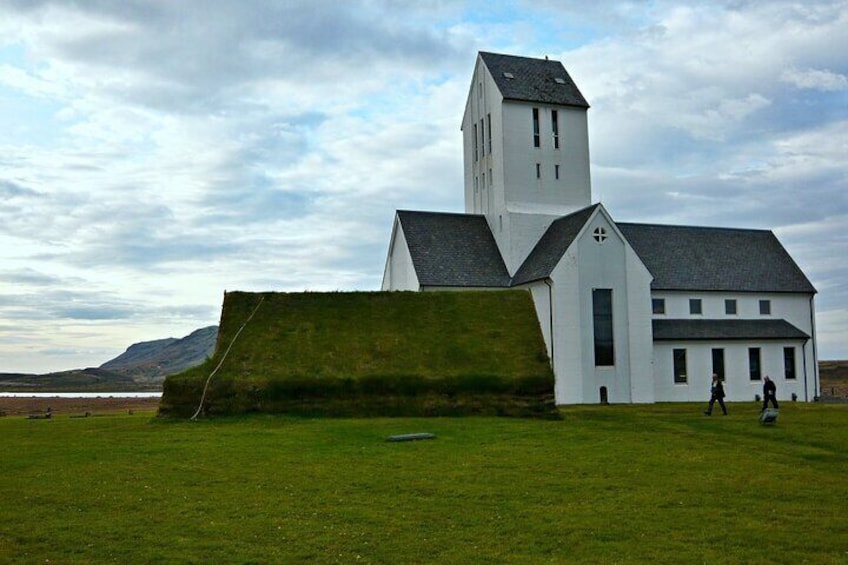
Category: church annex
[630,313]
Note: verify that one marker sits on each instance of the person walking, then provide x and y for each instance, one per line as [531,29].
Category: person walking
[769,393]
[716,394]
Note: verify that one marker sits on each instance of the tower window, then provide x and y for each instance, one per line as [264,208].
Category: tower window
[489,133]
[555,128]
[482,143]
[556,172]
[536,138]
[538,170]
[490,176]
[475,142]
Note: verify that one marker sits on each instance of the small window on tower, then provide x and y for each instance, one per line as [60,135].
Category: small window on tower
[536,137]
[489,133]
[555,128]
[556,172]
[538,170]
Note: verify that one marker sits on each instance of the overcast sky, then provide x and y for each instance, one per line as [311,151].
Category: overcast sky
[154,154]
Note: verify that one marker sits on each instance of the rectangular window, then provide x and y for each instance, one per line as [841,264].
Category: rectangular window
[482,142]
[475,142]
[483,176]
[536,139]
[489,133]
[555,128]
[602,318]
[490,176]
[730,307]
[538,170]
[718,363]
[556,172]
[765,307]
[789,363]
[679,366]
[658,305]
[754,371]
[695,306]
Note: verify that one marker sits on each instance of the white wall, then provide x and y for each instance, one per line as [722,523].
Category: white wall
[797,309]
[399,273]
[738,386]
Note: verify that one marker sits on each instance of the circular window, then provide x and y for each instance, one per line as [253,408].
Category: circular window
[600,234]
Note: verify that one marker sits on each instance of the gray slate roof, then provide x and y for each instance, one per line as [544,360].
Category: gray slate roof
[453,250]
[549,250]
[459,250]
[715,259]
[673,330]
[534,80]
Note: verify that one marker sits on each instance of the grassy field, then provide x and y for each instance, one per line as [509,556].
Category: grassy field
[617,484]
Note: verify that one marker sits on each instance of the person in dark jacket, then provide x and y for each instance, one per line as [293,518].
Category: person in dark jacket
[769,393]
[716,393]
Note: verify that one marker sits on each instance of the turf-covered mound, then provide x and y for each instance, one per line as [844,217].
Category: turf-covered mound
[372,354]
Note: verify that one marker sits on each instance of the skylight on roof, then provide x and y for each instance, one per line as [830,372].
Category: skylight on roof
[509,76]
[559,80]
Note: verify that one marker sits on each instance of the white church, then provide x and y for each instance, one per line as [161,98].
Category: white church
[630,313]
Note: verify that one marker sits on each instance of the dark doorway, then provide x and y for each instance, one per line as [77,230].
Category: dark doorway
[604,395]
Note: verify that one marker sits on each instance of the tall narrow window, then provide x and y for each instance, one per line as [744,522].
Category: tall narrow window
[536,138]
[679,366]
[718,363]
[555,128]
[482,141]
[602,318]
[489,133]
[556,172]
[765,307]
[754,371]
[490,176]
[538,170]
[484,180]
[475,142]
[789,363]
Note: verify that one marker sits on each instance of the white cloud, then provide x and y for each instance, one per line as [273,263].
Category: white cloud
[182,149]
[815,79]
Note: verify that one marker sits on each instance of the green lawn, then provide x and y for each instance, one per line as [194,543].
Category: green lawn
[618,484]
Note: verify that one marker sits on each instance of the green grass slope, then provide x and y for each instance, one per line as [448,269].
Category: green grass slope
[373,353]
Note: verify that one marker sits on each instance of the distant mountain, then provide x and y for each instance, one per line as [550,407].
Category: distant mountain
[152,361]
[142,366]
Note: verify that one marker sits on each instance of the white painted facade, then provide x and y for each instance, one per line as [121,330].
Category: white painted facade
[521,190]
[519,187]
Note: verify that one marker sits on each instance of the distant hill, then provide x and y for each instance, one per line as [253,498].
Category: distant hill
[143,366]
[152,361]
